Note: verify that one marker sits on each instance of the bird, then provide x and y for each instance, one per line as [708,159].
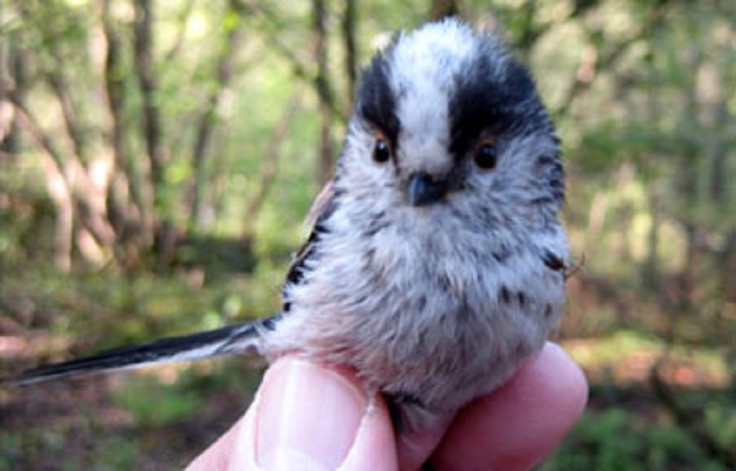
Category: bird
[436,260]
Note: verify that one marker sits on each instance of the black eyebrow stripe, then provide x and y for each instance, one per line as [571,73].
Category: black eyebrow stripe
[376,101]
[491,100]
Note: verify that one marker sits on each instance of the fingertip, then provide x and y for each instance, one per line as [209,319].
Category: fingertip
[571,384]
[322,416]
[308,413]
[518,425]
[307,416]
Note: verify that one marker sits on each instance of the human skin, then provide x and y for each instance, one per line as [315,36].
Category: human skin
[311,416]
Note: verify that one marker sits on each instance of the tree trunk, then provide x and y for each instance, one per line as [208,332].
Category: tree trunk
[268,168]
[351,56]
[208,117]
[323,89]
[127,207]
[148,84]
[12,82]
[57,185]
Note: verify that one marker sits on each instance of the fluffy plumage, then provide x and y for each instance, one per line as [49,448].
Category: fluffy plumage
[432,303]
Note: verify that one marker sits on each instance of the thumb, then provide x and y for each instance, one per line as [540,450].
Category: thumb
[307,416]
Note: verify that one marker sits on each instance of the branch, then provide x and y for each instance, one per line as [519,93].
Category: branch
[52,71]
[269,165]
[12,80]
[80,187]
[148,84]
[323,88]
[208,115]
[597,60]
[299,69]
[80,201]
[114,88]
[34,131]
[179,41]
[57,184]
[73,128]
[351,56]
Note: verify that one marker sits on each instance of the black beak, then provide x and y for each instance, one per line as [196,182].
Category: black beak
[423,189]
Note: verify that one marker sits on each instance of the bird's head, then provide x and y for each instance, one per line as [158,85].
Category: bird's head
[445,117]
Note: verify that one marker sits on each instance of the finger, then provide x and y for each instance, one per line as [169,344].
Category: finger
[415,448]
[308,416]
[518,425]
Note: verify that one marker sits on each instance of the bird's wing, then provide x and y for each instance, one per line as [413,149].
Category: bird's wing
[322,207]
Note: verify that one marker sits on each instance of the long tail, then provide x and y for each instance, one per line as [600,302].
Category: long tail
[237,338]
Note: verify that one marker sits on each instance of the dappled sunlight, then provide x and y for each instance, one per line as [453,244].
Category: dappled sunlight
[13,347]
[158,159]
[626,358]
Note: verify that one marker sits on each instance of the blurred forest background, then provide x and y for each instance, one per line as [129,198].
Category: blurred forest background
[157,159]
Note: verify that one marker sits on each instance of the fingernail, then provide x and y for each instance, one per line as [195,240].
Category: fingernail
[308,417]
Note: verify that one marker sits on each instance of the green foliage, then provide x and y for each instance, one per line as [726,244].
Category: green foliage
[617,439]
[152,405]
[13,448]
[10,449]
[720,419]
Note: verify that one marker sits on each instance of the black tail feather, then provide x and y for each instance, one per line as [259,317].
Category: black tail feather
[226,340]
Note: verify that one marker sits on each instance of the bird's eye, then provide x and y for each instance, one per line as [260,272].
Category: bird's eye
[381,150]
[486,155]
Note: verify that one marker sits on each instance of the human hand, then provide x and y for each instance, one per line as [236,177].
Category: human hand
[309,416]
